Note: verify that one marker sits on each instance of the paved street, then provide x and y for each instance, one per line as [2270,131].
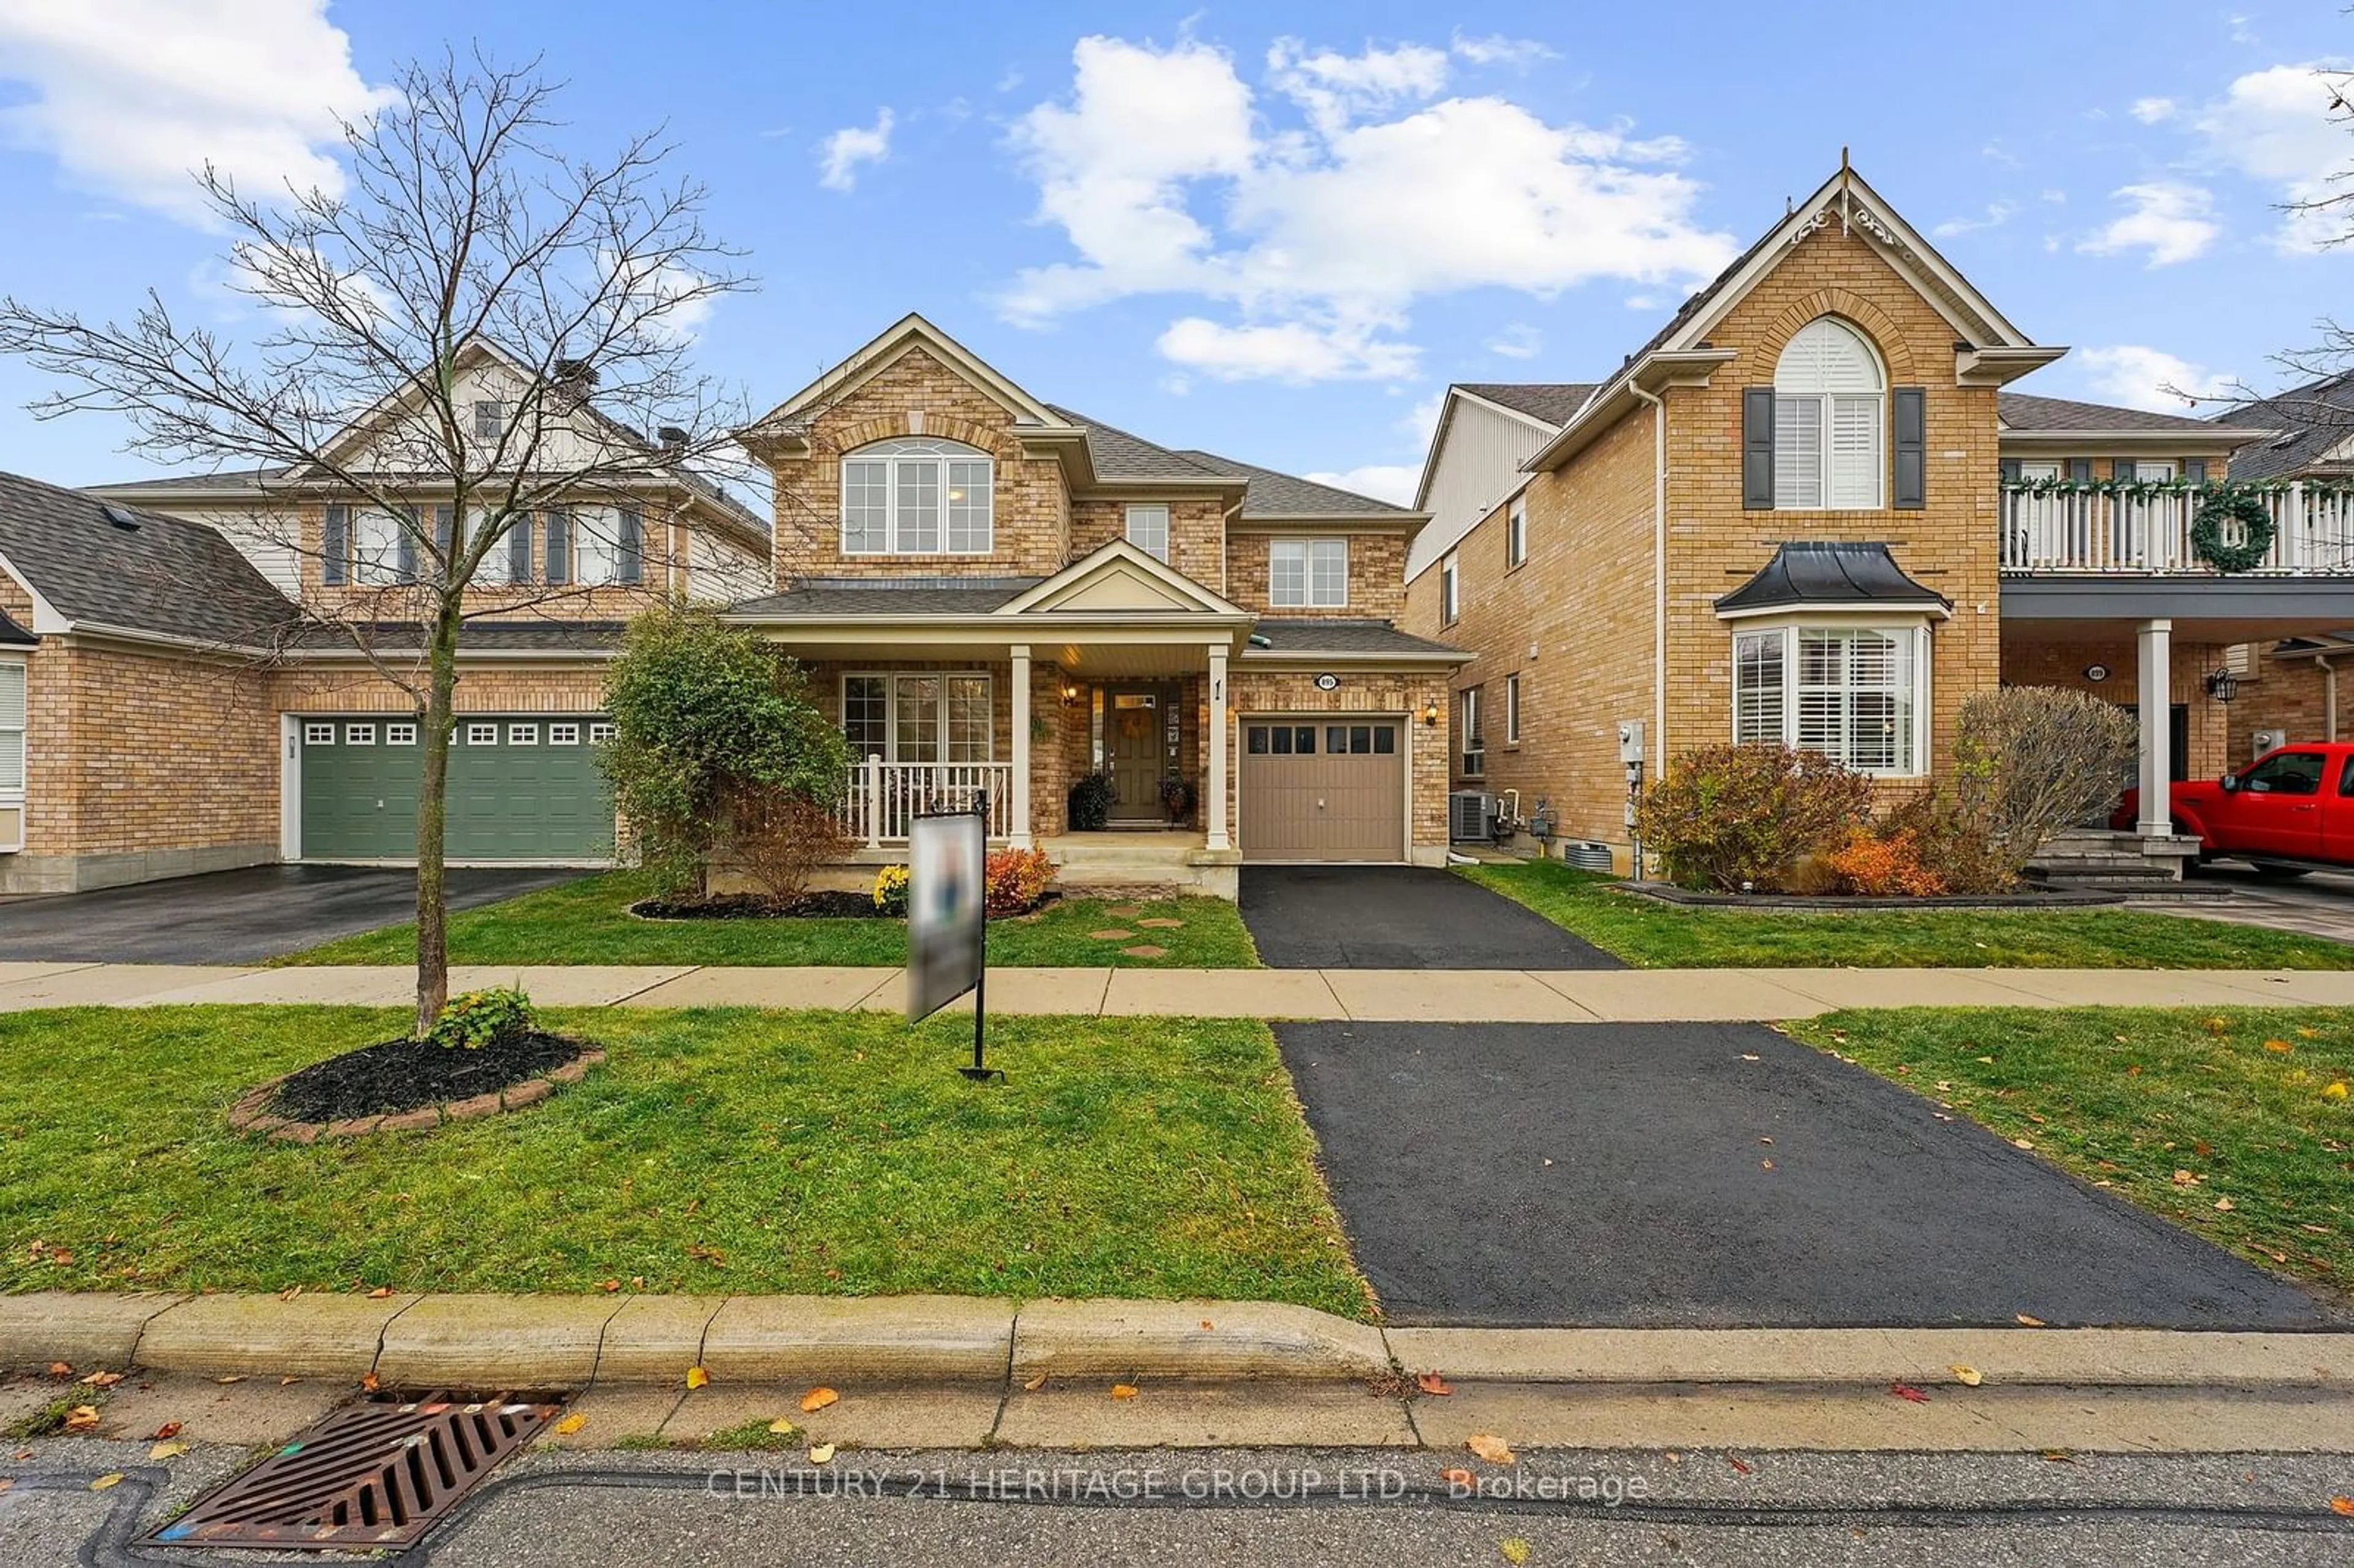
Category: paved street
[1717,1174]
[1399,918]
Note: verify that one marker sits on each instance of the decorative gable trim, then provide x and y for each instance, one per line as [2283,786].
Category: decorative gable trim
[781,430]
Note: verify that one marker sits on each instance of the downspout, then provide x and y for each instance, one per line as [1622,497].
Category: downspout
[1658,747]
[2329,700]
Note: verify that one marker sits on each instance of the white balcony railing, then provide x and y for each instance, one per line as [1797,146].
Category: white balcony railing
[883,795]
[2064,531]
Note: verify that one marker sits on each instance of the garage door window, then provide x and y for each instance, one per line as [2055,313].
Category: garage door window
[482,735]
[400,734]
[1360,740]
[1280,739]
[318,734]
[359,735]
[523,735]
[564,735]
[601,732]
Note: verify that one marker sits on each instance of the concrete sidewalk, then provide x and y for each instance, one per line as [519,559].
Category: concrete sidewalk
[1465,996]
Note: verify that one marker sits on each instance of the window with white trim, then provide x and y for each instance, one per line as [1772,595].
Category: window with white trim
[490,418]
[601,732]
[400,734]
[1856,694]
[1147,530]
[564,735]
[377,550]
[523,735]
[1474,739]
[12,730]
[917,495]
[482,735]
[1308,573]
[1449,591]
[318,734]
[359,735]
[1512,709]
[1831,419]
[919,716]
[1516,531]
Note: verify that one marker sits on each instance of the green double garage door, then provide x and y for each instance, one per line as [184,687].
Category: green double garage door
[522,787]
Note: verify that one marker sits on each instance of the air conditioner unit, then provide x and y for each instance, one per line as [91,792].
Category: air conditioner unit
[2265,740]
[1470,816]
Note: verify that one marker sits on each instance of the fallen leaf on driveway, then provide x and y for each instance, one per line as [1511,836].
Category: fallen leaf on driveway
[380,1293]
[369,1382]
[170,1429]
[2028,1322]
[1747,1056]
[167,1450]
[1738,1463]
[1206,1324]
[1513,1549]
[1463,1479]
[1967,1376]
[103,1379]
[822,1453]
[1906,1390]
[818,1399]
[60,1369]
[1123,1391]
[2342,1505]
[2058,1456]
[571,1424]
[1490,1448]
[111,1478]
[783,1427]
[697,1378]
[1035,1383]
[1430,1383]
[1766,1165]
[82,1418]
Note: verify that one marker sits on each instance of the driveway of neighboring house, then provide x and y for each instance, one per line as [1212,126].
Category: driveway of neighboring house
[238,916]
[1399,918]
[1718,1175]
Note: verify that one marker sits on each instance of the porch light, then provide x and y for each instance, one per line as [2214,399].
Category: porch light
[2222,685]
[1430,715]
[1070,695]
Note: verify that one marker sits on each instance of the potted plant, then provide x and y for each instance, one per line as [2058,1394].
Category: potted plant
[1177,799]
[1090,803]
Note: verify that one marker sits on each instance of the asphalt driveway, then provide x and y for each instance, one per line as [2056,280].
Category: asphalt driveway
[1619,1175]
[238,916]
[1399,918]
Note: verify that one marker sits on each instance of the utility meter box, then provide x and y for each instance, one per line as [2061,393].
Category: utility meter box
[1630,740]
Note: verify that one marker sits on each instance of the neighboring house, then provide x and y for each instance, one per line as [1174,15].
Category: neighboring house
[203,687]
[999,596]
[1808,510]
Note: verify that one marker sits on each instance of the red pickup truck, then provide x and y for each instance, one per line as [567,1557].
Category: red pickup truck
[2289,811]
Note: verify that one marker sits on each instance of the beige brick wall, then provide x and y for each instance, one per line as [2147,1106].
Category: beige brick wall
[1197,532]
[1376,576]
[2290,694]
[2064,665]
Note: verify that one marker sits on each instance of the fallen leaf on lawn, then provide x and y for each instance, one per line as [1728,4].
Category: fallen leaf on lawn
[2318,1230]
[167,1450]
[610,1286]
[2225,1204]
[2022,1143]
[2336,1091]
[1123,1391]
[2187,1178]
[291,1292]
[1430,1383]
[783,1427]
[1463,1479]
[1490,1448]
[2281,1045]
[697,1378]
[82,1418]
[111,1478]
[2028,1322]
[1035,1383]
[1514,1548]
[103,1379]
[818,1399]
[1738,1463]
[571,1424]
[169,1429]
[380,1293]
[2305,1033]
[822,1453]
[1988,1060]
[2342,1505]
[1967,1376]
[1906,1390]
[2217,1026]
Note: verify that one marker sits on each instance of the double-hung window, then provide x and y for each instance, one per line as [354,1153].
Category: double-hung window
[916,496]
[1831,416]
[1858,695]
[927,716]
[1474,739]
[1147,530]
[383,548]
[1516,531]
[1308,574]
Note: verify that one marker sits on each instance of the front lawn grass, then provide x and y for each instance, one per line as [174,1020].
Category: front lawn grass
[1651,934]
[589,922]
[724,1150]
[2236,1097]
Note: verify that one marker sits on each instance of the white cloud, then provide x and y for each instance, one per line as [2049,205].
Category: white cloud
[1518,341]
[1166,179]
[2150,111]
[664,305]
[1997,213]
[130,96]
[2174,221]
[2276,126]
[1498,50]
[1393,483]
[2137,376]
[840,155]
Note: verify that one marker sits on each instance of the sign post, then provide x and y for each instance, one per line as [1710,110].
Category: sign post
[947,928]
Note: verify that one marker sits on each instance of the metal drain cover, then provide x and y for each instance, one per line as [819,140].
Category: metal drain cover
[370,1475]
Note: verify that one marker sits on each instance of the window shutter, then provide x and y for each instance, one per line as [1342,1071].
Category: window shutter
[445,530]
[405,551]
[2010,473]
[2080,470]
[336,545]
[2195,470]
[519,547]
[1757,449]
[1912,448]
[631,566]
[559,545]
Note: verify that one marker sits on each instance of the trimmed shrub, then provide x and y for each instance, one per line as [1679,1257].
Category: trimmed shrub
[2031,760]
[1016,880]
[474,1019]
[1724,816]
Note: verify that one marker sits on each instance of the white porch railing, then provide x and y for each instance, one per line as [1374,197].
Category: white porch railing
[2073,531]
[882,796]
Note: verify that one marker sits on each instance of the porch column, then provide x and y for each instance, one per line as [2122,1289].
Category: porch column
[1020,835]
[1215,797]
[2154,654]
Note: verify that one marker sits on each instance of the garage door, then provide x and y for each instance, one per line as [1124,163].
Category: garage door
[1315,789]
[521,788]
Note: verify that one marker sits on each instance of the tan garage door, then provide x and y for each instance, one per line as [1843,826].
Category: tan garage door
[1318,788]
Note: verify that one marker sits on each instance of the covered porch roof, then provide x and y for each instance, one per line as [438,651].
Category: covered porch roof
[2202,609]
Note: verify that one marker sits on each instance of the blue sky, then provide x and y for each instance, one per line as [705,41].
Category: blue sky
[1276,230]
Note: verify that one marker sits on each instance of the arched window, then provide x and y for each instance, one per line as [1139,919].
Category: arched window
[1831,416]
[916,496]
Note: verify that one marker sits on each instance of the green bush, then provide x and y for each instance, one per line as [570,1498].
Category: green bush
[1090,803]
[1727,817]
[474,1019]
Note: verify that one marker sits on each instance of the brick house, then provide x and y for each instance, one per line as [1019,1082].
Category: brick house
[994,596]
[1808,510]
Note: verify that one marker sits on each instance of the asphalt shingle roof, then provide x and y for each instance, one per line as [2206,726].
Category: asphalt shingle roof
[1289,635]
[2024,411]
[889,598]
[1555,402]
[1117,454]
[165,575]
[2313,419]
[1268,493]
[236,480]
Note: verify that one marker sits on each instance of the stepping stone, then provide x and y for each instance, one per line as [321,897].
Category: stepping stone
[1162,924]
[1114,936]
[1147,951]
[1124,911]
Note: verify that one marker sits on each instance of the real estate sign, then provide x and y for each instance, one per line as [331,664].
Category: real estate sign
[945,855]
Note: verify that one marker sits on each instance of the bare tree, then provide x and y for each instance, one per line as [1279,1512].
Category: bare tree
[468,244]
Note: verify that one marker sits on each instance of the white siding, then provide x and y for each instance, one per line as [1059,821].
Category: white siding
[1472,472]
[719,571]
[265,538]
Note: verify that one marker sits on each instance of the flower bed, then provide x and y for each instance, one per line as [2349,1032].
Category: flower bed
[412,1086]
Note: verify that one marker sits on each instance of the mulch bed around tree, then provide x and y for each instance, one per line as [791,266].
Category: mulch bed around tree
[409,1074]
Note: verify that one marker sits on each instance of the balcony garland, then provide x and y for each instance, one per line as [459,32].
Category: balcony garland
[2148,489]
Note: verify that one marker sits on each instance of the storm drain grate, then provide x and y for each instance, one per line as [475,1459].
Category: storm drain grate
[370,1475]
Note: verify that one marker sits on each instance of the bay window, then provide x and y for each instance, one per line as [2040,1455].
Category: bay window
[1308,573]
[12,729]
[916,496]
[1858,695]
[918,715]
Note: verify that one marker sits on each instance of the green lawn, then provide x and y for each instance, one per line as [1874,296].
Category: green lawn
[1651,934]
[2127,1097]
[721,1150]
[589,922]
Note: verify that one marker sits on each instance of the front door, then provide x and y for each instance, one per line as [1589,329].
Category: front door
[1133,723]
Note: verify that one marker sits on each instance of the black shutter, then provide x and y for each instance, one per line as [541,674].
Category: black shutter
[445,529]
[559,545]
[2080,470]
[1757,449]
[631,546]
[336,545]
[405,549]
[1912,448]
[2195,470]
[2010,474]
[519,547]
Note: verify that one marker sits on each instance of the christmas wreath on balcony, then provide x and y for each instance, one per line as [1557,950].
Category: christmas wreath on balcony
[2225,505]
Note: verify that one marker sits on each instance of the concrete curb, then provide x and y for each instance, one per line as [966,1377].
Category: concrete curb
[554,1342]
